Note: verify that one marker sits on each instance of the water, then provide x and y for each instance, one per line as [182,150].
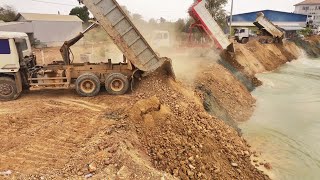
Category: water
[285,127]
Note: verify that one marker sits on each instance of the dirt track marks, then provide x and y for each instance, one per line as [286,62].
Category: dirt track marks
[44,135]
[5,111]
[73,103]
[51,145]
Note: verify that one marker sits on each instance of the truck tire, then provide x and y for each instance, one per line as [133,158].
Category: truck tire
[88,85]
[245,40]
[117,84]
[262,41]
[270,41]
[8,89]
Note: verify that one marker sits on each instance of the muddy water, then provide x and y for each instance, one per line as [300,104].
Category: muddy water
[285,127]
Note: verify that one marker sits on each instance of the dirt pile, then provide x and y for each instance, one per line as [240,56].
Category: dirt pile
[185,141]
[223,95]
[311,45]
[254,57]
[160,131]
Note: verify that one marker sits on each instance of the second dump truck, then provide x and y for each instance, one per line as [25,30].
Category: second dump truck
[268,32]
[19,71]
[205,22]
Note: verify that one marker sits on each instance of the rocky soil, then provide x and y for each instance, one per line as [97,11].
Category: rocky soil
[185,141]
[159,131]
[162,130]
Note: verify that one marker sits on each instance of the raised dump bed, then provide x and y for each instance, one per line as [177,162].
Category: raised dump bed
[202,16]
[124,34]
[263,23]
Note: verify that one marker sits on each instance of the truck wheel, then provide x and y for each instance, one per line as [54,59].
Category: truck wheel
[88,85]
[117,84]
[270,41]
[244,40]
[8,89]
[263,41]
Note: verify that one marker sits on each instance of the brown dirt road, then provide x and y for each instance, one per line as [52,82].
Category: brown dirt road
[42,131]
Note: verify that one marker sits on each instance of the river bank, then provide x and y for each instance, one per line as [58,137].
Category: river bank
[162,130]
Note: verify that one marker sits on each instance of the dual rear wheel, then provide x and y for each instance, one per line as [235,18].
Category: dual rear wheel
[89,84]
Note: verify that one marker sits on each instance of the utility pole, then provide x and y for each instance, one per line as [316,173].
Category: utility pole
[230,30]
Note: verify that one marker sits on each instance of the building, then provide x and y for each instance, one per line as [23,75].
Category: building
[285,20]
[309,7]
[46,29]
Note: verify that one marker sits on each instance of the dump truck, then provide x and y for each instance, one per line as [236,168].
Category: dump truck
[19,71]
[205,23]
[269,33]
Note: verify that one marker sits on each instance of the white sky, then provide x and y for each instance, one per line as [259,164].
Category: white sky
[169,9]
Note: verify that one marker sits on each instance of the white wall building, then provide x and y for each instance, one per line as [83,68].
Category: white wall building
[309,7]
[50,29]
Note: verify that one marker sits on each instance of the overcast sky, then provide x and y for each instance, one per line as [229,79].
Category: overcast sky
[169,9]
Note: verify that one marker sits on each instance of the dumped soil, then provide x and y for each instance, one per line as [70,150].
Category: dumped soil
[234,101]
[254,57]
[185,141]
[311,45]
[160,130]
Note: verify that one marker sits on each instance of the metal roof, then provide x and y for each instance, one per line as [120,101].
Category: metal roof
[10,23]
[48,17]
[25,27]
[12,35]
[280,24]
[274,16]
[292,28]
[308,2]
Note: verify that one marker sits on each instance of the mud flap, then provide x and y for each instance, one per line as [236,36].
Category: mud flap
[18,79]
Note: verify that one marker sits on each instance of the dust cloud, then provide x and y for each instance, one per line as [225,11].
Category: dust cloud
[188,63]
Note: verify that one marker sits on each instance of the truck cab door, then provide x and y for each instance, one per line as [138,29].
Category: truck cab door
[9,58]
[24,46]
[243,33]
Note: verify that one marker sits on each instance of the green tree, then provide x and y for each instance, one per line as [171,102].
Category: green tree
[216,10]
[81,12]
[180,25]
[7,13]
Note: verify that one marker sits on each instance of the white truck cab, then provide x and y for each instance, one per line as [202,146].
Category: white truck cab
[161,39]
[242,35]
[16,57]
[13,47]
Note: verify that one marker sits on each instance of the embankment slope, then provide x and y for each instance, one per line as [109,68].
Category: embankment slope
[160,131]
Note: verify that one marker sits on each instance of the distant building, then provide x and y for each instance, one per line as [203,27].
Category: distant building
[309,7]
[48,29]
[285,20]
